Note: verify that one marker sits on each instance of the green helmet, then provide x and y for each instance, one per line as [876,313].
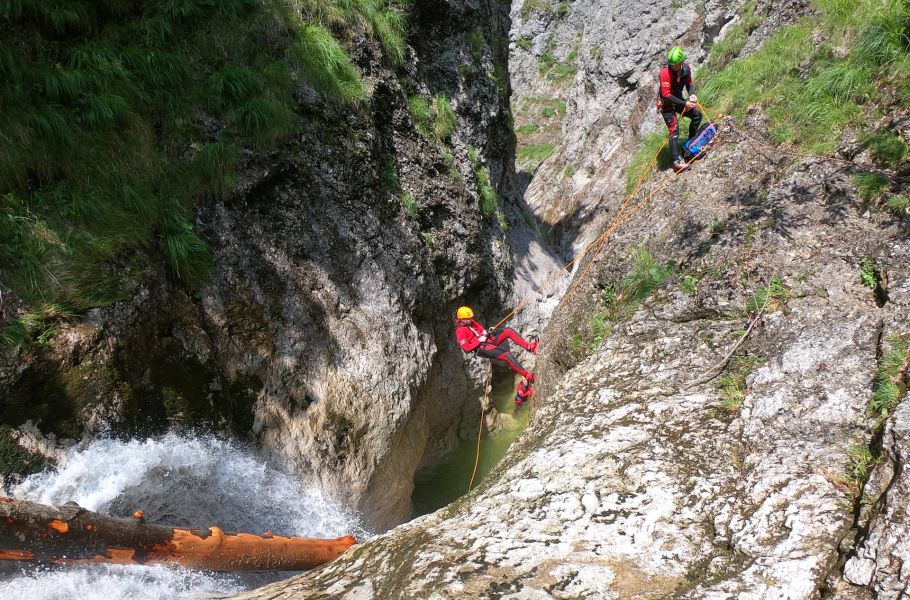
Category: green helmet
[676,56]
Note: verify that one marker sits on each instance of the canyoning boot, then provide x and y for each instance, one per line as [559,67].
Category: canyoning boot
[679,165]
[532,346]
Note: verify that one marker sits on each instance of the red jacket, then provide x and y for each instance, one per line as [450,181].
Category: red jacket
[672,84]
[468,335]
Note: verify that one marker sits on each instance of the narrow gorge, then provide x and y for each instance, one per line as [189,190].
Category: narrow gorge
[718,410]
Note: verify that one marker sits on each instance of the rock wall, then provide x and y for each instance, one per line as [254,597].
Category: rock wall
[326,334]
[635,479]
[648,471]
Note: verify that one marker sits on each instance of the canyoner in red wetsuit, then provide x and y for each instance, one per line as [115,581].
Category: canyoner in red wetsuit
[494,345]
[522,396]
[675,78]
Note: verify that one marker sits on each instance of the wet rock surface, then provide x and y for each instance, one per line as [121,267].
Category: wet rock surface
[326,335]
[648,470]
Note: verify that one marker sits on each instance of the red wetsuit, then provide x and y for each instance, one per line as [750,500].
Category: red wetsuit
[670,102]
[496,346]
[523,393]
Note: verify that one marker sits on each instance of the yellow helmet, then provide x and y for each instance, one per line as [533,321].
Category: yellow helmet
[465,312]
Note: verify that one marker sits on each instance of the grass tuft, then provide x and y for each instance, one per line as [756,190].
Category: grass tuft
[890,380]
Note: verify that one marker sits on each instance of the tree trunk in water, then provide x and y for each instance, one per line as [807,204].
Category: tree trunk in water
[69,534]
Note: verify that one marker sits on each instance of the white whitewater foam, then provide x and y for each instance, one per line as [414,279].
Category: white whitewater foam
[182,480]
[112,582]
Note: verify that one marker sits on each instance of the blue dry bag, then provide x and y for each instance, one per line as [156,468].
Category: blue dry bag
[702,140]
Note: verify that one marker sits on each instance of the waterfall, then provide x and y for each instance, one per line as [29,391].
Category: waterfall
[177,479]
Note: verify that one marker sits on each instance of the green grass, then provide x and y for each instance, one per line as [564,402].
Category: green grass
[527,129]
[645,276]
[552,107]
[410,204]
[434,119]
[810,92]
[898,205]
[488,197]
[870,186]
[107,147]
[731,386]
[723,51]
[502,220]
[449,159]
[861,463]
[563,9]
[535,153]
[618,303]
[476,44]
[532,6]
[639,166]
[887,148]
[771,297]
[890,379]
[524,43]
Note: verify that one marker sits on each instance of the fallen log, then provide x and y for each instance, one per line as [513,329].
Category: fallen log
[70,534]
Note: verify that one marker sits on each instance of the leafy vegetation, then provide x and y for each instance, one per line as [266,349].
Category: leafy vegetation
[106,109]
[869,273]
[810,90]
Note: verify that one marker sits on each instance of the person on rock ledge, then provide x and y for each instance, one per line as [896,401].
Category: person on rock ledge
[494,345]
[674,78]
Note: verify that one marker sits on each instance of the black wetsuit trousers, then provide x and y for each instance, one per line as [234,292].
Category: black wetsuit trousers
[670,113]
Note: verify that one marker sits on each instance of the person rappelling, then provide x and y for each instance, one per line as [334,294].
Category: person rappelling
[494,345]
[674,79]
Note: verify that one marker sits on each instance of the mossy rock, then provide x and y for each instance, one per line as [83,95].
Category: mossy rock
[15,461]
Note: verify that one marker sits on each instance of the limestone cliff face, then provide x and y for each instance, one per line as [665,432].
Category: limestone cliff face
[326,334]
[635,480]
[646,471]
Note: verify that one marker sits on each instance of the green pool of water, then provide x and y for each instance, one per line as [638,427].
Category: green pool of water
[436,486]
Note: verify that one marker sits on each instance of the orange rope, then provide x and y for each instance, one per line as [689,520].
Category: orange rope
[622,218]
[597,241]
